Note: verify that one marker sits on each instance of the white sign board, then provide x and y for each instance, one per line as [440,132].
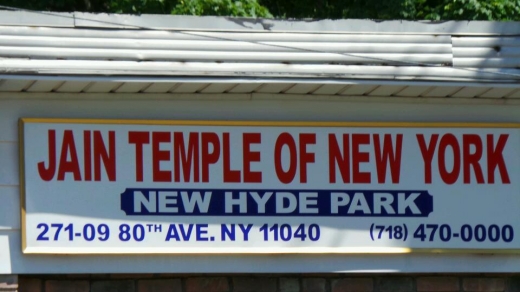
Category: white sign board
[112,186]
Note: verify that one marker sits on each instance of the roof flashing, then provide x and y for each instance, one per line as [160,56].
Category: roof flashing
[214,23]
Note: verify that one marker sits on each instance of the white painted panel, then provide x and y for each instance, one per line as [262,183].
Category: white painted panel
[72,86]
[32,19]
[9,207]
[102,87]
[358,89]
[7,241]
[252,30]
[296,109]
[496,93]
[189,87]
[251,69]
[515,94]
[159,87]
[8,164]
[217,88]
[486,52]
[386,90]
[274,88]
[301,88]
[486,62]
[245,88]
[441,91]
[328,89]
[12,261]
[485,41]
[192,55]
[470,91]
[210,45]
[131,87]
[413,91]
[43,86]
[13,85]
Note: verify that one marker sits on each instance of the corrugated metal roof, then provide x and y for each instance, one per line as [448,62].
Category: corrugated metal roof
[486,52]
[84,45]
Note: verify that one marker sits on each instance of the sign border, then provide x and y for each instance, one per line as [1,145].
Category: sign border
[244,251]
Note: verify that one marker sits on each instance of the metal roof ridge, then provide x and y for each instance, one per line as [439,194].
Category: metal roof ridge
[214,23]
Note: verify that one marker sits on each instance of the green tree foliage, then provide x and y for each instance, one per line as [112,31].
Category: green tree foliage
[139,6]
[110,6]
[397,9]
[465,9]
[372,9]
[244,8]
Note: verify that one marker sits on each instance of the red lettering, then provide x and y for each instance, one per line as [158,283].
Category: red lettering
[305,157]
[139,139]
[335,157]
[48,173]
[109,158]
[209,157]
[285,176]
[251,156]
[187,158]
[472,159]
[495,159]
[388,157]
[87,155]
[160,155]
[451,141]
[427,153]
[231,176]
[359,157]
[68,146]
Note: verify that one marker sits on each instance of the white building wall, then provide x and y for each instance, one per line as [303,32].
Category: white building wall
[230,107]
